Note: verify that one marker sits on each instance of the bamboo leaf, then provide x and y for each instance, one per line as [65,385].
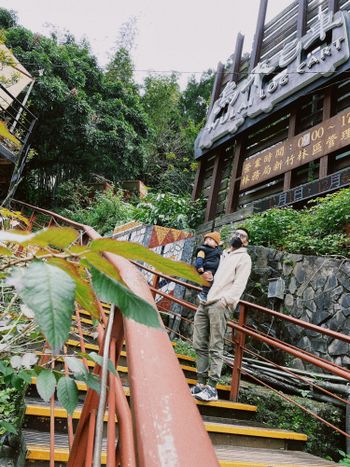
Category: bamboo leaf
[67,393]
[45,384]
[134,251]
[84,293]
[132,306]
[49,292]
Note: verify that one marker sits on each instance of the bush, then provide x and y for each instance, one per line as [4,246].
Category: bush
[316,230]
[169,210]
[277,412]
[107,210]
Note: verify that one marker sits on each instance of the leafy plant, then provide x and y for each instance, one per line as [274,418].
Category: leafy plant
[316,230]
[170,210]
[50,275]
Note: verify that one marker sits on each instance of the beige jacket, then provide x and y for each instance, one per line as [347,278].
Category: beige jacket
[231,278]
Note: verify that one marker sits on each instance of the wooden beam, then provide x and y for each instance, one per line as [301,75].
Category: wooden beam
[215,186]
[259,35]
[233,188]
[237,58]
[199,179]
[217,85]
[333,5]
[302,17]
[327,113]
[291,132]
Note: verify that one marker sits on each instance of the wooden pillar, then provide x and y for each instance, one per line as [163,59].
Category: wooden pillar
[215,186]
[233,186]
[301,30]
[199,179]
[217,85]
[302,17]
[291,132]
[259,35]
[327,113]
[237,58]
[333,5]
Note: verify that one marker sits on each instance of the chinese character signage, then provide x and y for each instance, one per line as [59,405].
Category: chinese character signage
[309,190]
[300,62]
[329,136]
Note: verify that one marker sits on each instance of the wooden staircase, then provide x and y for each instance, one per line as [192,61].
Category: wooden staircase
[237,438]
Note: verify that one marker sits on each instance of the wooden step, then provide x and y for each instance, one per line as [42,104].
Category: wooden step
[224,434]
[248,457]
[220,408]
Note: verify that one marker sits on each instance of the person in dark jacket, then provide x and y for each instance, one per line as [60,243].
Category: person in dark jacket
[208,259]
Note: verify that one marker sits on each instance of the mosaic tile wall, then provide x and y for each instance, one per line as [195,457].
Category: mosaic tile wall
[170,243]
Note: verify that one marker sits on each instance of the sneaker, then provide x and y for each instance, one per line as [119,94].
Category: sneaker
[208,394]
[202,298]
[197,388]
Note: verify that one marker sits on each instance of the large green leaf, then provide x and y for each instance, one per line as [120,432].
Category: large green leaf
[138,252]
[67,393]
[45,384]
[60,237]
[101,263]
[130,305]
[49,292]
[84,294]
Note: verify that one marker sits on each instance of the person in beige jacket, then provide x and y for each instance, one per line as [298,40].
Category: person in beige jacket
[210,319]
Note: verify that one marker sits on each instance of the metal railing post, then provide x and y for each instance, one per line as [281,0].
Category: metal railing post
[239,339]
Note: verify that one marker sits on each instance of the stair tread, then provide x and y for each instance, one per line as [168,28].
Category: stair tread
[254,431]
[219,403]
[259,457]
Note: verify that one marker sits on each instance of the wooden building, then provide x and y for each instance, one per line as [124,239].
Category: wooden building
[278,126]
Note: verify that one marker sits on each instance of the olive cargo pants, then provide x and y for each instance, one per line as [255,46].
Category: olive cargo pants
[208,341]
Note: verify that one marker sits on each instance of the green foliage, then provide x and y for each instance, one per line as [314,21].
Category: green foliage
[175,118]
[11,394]
[170,210]
[317,230]
[277,412]
[105,212]
[345,458]
[184,348]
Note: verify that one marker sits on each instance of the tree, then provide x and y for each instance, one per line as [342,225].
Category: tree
[88,121]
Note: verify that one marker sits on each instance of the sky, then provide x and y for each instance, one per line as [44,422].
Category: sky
[188,36]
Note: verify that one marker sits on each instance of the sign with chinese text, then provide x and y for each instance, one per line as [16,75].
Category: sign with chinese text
[328,136]
[309,190]
[300,62]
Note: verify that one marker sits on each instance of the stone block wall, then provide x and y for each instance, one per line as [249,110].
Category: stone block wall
[317,290]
